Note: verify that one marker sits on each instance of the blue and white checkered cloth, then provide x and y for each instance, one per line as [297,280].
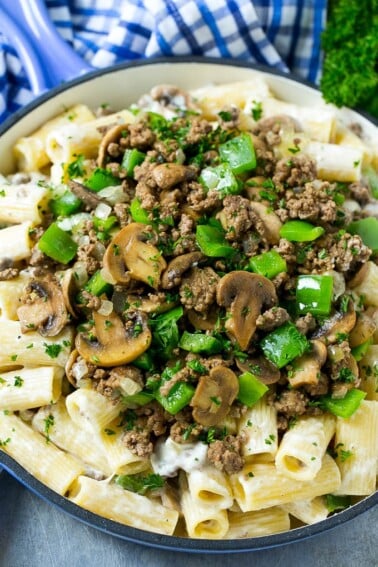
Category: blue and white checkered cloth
[283,34]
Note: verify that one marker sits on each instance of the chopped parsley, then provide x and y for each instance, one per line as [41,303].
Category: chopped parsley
[49,423]
[76,167]
[53,350]
[141,484]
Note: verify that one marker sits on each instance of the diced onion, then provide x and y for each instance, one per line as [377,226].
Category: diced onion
[106,307]
[102,211]
[113,194]
[79,370]
[107,276]
[81,274]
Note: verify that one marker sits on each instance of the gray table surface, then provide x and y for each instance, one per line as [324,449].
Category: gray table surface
[35,534]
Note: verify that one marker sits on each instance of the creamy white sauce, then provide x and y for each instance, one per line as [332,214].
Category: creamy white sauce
[170,456]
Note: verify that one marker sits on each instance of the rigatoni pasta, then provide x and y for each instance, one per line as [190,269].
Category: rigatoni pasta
[188,311]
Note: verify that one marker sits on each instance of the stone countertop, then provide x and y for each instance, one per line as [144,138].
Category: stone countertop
[34,533]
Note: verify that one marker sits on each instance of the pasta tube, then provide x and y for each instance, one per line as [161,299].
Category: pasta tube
[29,388]
[303,447]
[43,460]
[113,502]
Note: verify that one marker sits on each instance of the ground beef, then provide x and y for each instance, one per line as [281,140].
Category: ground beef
[186,225]
[198,130]
[286,249]
[121,211]
[306,324]
[185,431]
[226,455]
[198,289]
[90,301]
[87,253]
[235,216]
[291,403]
[138,442]
[9,273]
[318,389]
[229,117]
[140,136]
[272,318]
[360,192]
[349,251]
[200,201]
[294,172]
[313,203]
[182,375]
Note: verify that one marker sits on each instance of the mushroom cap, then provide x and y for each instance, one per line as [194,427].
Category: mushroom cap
[306,369]
[214,396]
[244,295]
[171,277]
[43,308]
[112,135]
[128,255]
[115,344]
[167,175]
[264,370]
[339,323]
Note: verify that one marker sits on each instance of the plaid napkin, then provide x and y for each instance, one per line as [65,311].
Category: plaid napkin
[283,34]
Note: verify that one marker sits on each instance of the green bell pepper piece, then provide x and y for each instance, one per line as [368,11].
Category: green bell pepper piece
[251,389]
[65,205]
[360,350]
[239,153]
[177,398]
[300,231]
[200,343]
[220,178]
[145,361]
[132,158]
[367,229]
[212,242]
[284,344]
[96,285]
[335,502]
[137,212]
[314,294]
[139,399]
[100,179]
[268,264]
[343,407]
[57,244]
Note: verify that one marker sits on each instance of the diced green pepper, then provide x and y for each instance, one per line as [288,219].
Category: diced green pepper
[139,399]
[360,350]
[177,398]
[284,344]
[104,225]
[220,178]
[100,179]
[97,285]
[65,205]
[212,242]
[371,175]
[367,229]
[239,153]
[268,264]
[132,158]
[251,389]
[314,294]
[200,343]
[145,361]
[57,244]
[300,231]
[343,407]
[335,502]
[137,212]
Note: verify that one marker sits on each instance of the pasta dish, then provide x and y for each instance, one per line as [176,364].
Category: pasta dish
[188,311]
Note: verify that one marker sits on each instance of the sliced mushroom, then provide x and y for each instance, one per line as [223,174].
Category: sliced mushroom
[167,175]
[214,396]
[89,198]
[339,324]
[70,290]
[244,295]
[171,277]
[172,96]
[362,331]
[129,255]
[203,321]
[115,343]
[112,135]
[43,308]
[271,222]
[264,370]
[306,369]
